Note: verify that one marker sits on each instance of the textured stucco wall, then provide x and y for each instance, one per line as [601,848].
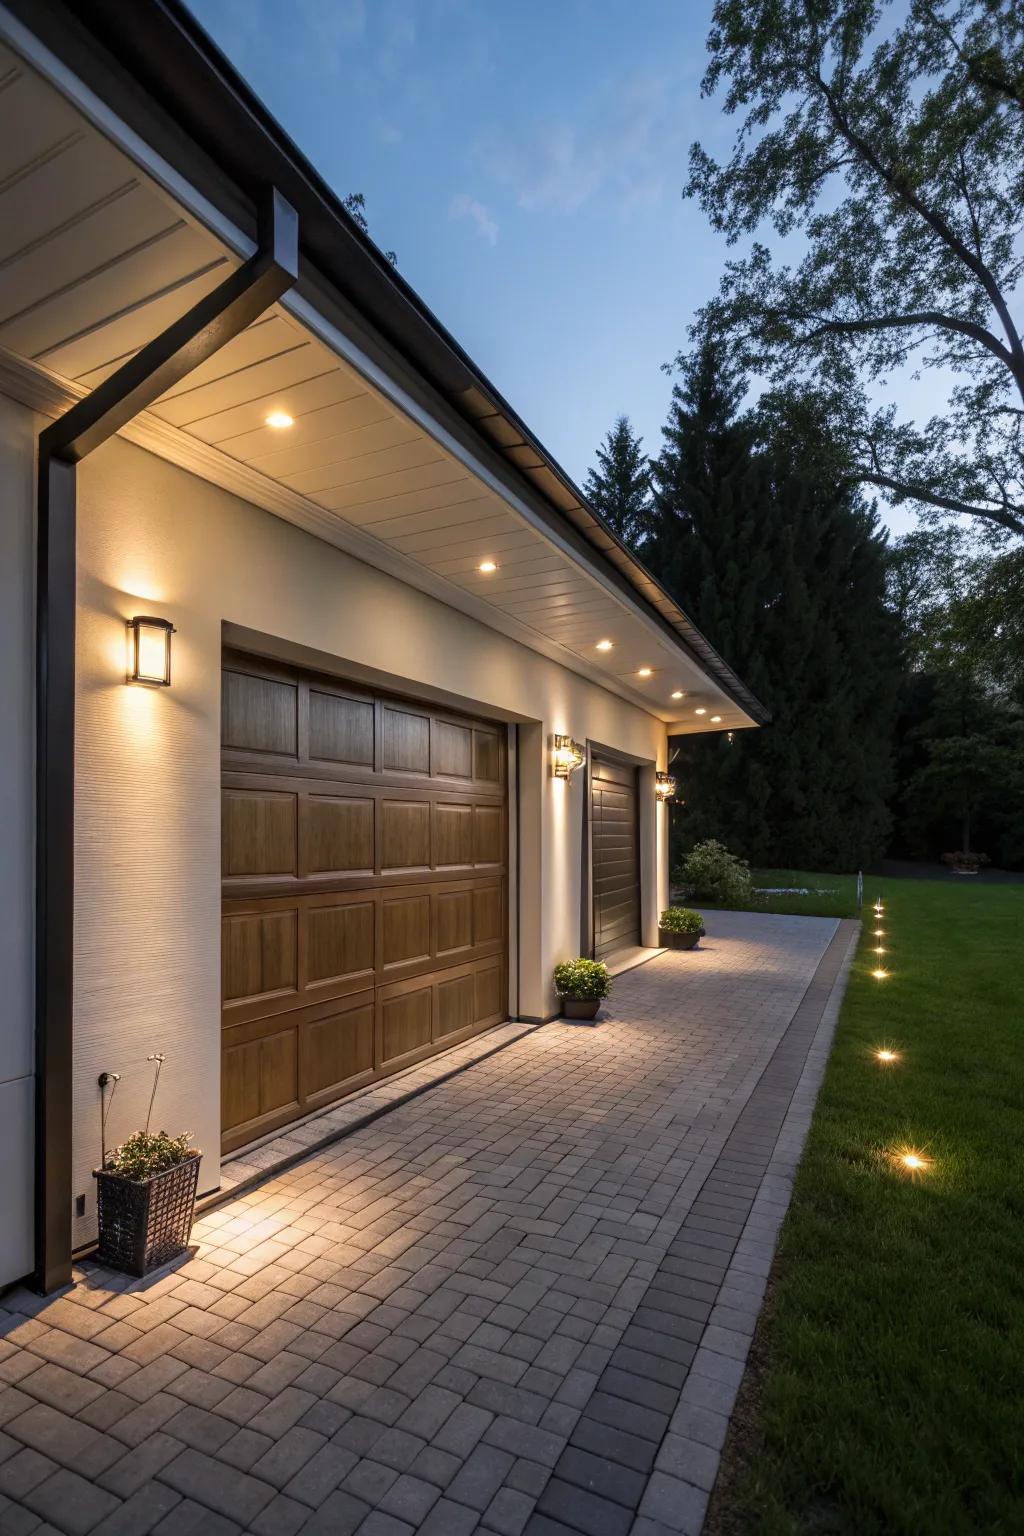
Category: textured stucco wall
[18,430]
[153,538]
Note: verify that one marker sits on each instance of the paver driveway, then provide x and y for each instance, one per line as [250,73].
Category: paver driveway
[518,1302]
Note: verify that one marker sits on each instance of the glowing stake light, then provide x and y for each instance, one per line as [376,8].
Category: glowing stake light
[880,974]
[879,949]
[887,1057]
[911,1160]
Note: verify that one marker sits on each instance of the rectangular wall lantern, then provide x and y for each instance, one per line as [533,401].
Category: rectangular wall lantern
[664,786]
[149,650]
[566,756]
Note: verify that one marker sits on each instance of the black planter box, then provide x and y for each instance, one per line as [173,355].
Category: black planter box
[580,1007]
[144,1223]
[672,940]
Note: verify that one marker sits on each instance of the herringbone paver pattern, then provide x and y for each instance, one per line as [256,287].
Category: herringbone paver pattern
[478,1313]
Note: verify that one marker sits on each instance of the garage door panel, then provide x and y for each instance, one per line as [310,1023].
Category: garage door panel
[404,835]
[453,922]
[488,757]
[258,833]
[336,1053]
[259,714]
[259,955]
[337,834]
[406,1023]
[615,857]
[340,943]
[341,728]
[259,1083]
[405,741]
[365,876]
[452,750]
[453,836]
[488,834]
[405,930]
[488,914]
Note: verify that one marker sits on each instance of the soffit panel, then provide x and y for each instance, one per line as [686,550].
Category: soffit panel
[96,259]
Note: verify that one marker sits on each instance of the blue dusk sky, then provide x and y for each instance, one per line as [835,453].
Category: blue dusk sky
[526,162]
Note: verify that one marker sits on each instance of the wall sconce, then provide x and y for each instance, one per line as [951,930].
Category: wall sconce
[149,650]
[566,756]
[664,786]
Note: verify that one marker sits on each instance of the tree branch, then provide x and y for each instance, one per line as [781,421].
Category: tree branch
[978,67]
[934,317]
[1012,518]
[935,221]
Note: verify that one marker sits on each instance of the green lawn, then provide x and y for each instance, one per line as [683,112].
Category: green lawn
[830,895]
[886,1390]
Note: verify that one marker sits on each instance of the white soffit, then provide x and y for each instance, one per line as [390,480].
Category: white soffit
[96,258]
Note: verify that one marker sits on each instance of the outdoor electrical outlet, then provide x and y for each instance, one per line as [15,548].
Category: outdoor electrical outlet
[79,1205]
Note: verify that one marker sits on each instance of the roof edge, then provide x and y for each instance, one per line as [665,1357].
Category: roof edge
[168,61]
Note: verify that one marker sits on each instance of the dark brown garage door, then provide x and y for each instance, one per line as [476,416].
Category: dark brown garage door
[364,843]
[616,856]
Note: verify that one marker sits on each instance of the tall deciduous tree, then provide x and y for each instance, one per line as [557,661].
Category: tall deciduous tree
[619,487]
[892,140]
[783,567]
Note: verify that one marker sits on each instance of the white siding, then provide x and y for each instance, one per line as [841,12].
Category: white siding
[155,539]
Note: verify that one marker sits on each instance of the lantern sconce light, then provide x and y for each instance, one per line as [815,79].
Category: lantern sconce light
[149,650]
[664,786]
[566,756]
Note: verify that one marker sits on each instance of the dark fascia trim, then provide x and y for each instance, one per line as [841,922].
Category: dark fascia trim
[154,65]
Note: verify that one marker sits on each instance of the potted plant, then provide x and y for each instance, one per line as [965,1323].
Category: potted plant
[680,928]
[964,863]
[146,1196]
[582,985]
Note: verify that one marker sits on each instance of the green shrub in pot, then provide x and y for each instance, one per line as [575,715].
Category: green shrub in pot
[680,928]
[582,985]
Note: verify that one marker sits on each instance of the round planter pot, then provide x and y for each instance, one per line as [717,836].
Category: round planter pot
[678,940]
[580,1007]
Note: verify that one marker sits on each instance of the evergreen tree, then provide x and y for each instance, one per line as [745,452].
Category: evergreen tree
[619,488]
[783,567]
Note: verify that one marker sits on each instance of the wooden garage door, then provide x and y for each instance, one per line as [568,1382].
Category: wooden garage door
[364,865]
[616,857]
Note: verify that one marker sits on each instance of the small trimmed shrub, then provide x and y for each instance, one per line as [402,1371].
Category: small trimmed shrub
[712,873]
[586,980]
[144,1154]
[972,861]
[681,920]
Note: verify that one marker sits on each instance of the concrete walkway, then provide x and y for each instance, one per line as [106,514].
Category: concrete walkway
[520,1302]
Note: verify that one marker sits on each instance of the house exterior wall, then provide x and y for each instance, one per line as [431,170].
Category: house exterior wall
[18,429]
[155,539]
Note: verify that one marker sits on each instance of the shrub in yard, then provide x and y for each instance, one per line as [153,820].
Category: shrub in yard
[586,980]
[681,920]
[964,860]
[712,873]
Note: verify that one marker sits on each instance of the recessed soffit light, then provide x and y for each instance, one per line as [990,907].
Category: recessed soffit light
[487,567]
[679,694]
[644,672]
[700,711]
[279,420]
[604,645]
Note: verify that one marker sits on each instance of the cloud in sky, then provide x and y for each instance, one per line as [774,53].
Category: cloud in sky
[462,206]
[624,146]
